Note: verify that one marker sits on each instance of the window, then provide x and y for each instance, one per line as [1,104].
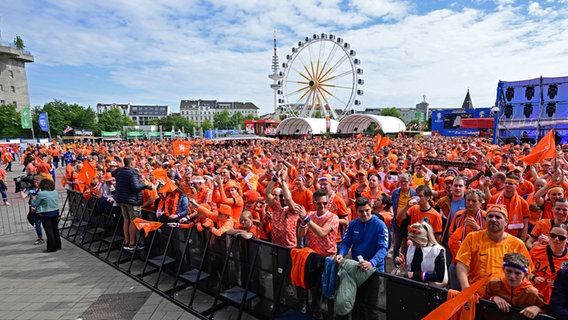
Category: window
[15,103]
[1,87]
[2,102]
[11,74]
[13,88]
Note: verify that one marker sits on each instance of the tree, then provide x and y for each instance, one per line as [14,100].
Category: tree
[206,125]
[60,115]
[10,119]
[237,120]
[19,43]
[114,120]
[317,114]
[176,122]
[222,120]
[393,112]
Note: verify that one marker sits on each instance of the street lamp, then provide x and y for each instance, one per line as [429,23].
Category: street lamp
[495,112]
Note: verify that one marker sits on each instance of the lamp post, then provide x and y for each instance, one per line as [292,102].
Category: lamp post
[495,112]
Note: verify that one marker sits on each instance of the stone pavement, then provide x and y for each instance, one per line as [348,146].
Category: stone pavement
[64,284]
[68,284]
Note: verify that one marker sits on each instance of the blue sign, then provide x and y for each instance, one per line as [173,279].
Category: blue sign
[43,122]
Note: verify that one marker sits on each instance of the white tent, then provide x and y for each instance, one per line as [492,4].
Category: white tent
[358,123]
[292,126]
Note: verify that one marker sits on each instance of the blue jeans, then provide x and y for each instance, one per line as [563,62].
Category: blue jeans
[4,195]
[37,225]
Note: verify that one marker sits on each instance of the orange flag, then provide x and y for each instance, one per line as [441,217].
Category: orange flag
[181,147]
[544,149]
[147,226]
[450,307]
[386,141]
[87,173]
[169,186]
[378,139]
[161,174]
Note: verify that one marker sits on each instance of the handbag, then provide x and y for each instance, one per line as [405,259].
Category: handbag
[30,217]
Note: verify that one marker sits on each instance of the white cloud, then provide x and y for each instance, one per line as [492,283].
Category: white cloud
[165,51]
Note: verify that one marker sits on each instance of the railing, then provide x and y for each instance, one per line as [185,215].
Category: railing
[13,218]
[208,275]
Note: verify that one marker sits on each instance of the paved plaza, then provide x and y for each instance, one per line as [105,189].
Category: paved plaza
[68,284]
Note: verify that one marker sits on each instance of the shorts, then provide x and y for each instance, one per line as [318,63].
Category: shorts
[130,211]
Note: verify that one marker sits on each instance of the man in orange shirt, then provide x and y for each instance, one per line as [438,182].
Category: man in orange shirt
[320,227]
[481,253]
[516,206]
[302,195]
[421,210]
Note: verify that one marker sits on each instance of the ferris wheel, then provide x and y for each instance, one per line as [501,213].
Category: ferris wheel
[321,74]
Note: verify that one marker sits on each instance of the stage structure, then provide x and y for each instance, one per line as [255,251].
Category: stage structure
[535,105]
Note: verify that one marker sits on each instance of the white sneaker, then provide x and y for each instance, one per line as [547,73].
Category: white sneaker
[7,203]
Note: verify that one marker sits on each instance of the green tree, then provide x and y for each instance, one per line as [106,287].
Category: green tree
[60,115]
[114,120]
[222,120]
[393,112]
[19,43]
[206,125]
[237,120]
[176,122]
[10,119]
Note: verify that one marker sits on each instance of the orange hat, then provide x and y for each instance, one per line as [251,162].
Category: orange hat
[108,177]
[498,208]
[253,195]
[362,171]
[225,209]
[230,185]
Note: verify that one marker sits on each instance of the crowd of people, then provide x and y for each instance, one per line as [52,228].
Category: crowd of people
[449,211]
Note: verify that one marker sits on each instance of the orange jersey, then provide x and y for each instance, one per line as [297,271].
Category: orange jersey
[540,257]
[484,256]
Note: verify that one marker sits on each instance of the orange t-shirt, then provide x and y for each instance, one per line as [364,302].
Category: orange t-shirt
[484,257]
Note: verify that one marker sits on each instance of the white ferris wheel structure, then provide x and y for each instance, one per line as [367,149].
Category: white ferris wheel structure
[321,74]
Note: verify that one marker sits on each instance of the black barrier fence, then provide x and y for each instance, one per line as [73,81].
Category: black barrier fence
[209,276]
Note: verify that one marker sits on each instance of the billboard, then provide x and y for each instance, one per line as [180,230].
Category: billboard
[447,122]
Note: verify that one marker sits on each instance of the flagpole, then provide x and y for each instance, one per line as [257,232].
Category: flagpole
[33,135]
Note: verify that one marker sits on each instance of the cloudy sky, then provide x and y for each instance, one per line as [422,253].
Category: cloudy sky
[160,52]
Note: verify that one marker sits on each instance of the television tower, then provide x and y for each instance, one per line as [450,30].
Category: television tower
[276,77]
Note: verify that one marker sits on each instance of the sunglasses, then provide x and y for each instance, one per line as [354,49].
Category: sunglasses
[554,236]
[320,203]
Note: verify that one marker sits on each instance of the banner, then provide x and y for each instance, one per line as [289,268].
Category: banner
[110,134]
[26,118]
[68,129]
[43,123]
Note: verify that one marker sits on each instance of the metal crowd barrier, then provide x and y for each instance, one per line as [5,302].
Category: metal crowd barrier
[13,218]
[208,275]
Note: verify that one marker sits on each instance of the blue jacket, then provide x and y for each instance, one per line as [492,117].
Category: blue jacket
[128,186]
[46,203]
[369,239]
